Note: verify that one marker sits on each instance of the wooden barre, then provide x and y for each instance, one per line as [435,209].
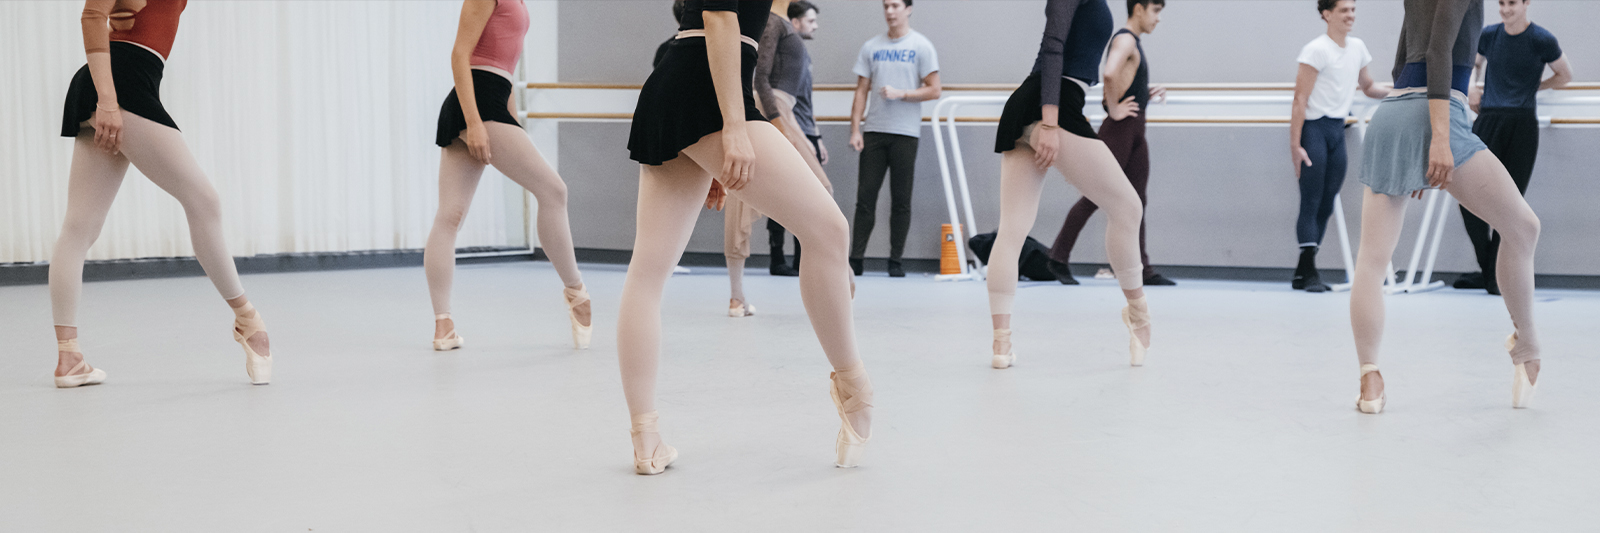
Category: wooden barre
[1003,87]
[1153,120]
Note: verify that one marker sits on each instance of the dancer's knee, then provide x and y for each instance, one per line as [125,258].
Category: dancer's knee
[1523,229]
[828,235]
[552,194]
[449,220]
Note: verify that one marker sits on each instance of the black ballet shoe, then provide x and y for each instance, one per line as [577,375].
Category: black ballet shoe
[1158,279]
[895,270]
[857,265]
[1062,273]
[1469,281]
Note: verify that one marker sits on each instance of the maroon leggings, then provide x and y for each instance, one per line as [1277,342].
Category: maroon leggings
[1125,138]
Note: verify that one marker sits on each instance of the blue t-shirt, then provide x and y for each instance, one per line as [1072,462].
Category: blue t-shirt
[1516,64]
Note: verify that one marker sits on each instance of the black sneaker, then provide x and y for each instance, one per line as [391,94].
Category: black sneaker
[782,269]
[1062,273]
[1492,285]
[1474,280]
[895,271]
[1313,283]
[856,266]
[1158,279]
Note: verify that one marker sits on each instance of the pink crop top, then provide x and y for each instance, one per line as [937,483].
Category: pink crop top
[500,46]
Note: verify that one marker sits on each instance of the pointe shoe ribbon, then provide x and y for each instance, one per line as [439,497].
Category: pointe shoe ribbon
[1006,359]
[1522,388]
[1136,316]
[662,457]
[451,340]
[851,392]
[81,374]
[1370,407]
[581,334]
[248,322]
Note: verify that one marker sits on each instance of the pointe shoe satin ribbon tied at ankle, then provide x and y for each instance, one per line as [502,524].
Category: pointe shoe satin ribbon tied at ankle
[852,393]
[1136,316]
[662,457]
[1006,359]
[580,333]
[451,340]
[1522,386]
[81,374]
[1374,406]
[248,322]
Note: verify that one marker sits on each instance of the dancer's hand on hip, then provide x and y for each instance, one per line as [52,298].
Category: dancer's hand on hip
[477,139]
[1441,163]
[108,129]
[1299,158]
[738,157]
[1124,109]
[1046,143]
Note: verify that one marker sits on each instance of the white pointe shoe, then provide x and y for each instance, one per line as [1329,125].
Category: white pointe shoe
[663,456]
[851,445]
[740,311]
[247,322]
[1136,318]
[1370,407]
[580,333]
[1004,360]
[451,340]
[1521,388]
[82,374]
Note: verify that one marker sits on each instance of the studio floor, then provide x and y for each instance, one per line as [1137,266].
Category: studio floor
[1242,419]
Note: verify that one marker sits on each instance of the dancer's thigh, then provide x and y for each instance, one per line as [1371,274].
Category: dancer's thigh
[1090,167]
[160,153]
[670,198]
[782,186]
[93,181]
[517,158]
[1485,188]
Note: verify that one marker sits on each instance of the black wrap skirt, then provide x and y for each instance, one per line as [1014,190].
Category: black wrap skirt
[135,72]
[1023,109]
[492,92]
[678,104]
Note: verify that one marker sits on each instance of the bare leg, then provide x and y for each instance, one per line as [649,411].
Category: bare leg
[91,187]
[517,158]
[458,180]
[1090,167]
[1382,218]
[1485,187]
[1020,186]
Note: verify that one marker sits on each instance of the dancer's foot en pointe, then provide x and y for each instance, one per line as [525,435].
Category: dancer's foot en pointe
[578,310]
[852,395]
[739,309]
[651,456]
[1137,317]
[1523,381]
[72,370]
[1003,354]
[1372,399]
[251,333]
[445,337]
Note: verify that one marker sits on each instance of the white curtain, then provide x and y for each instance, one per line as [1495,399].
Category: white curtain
[314,120]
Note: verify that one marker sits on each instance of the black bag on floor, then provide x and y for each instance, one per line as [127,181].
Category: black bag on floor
[1033,264]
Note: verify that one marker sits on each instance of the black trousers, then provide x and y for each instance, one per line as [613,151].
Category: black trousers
[1513,137]
[895,155]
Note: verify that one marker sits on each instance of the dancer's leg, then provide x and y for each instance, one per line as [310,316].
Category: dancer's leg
[1337,166]
[517,158]
[1077,218]
[1020,185]
[1313,185]
[902,178]
[92,185]
[737,218]
[873,165]
[1485,187]
[458,180]
[1089,166]
[1382,219]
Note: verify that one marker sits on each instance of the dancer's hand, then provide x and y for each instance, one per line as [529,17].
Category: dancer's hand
[477,139]
[1441,163]
[822,152]
[716,197]
[1124,109]
[108,129]
[1158,93]
[857,141]
[891,93]
[1046,144]
[738,158]
[1299,158]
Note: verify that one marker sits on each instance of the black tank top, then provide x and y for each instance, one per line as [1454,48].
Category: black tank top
[1140,88]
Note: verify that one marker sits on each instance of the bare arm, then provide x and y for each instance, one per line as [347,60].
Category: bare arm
[1475,91]
[1119,71]
[722,53]
[1304,82]
[1370,87]
[930,90]
[790,127]
[474,18]
[97,46]
[858,110]
[1562,75]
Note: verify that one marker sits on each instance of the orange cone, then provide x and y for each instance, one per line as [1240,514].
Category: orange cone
[948,264]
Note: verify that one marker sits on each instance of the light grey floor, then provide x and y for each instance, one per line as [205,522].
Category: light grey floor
[1241,421]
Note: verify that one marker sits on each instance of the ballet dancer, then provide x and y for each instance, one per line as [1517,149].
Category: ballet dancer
[1419,139]
[1043,125]
[699,137]
[480,131]
[115,117]
[1333,67]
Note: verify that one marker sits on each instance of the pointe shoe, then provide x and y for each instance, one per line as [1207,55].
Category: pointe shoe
[258,366]
[740,311]
[1370,407]
[851,445]
[1521,388]
[451,340]
[82,374]
[1004,360]
[664,455]
[580,333]
[1136,319]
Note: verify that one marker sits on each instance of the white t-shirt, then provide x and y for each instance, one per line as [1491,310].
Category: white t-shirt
[899,63]
[1338,71]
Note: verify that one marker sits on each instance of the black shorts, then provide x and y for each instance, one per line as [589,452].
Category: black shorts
[1023,109]
[492,91]
[678,104]
[136,73]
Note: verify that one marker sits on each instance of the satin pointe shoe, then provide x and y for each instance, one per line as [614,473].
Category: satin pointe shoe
[247,322]
[1004,360]
[1521,388]
[662,457]
[1370,407]
[82,374]
[1136,318]
[852,392]
[580,333]
[451,340]
[738,309]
